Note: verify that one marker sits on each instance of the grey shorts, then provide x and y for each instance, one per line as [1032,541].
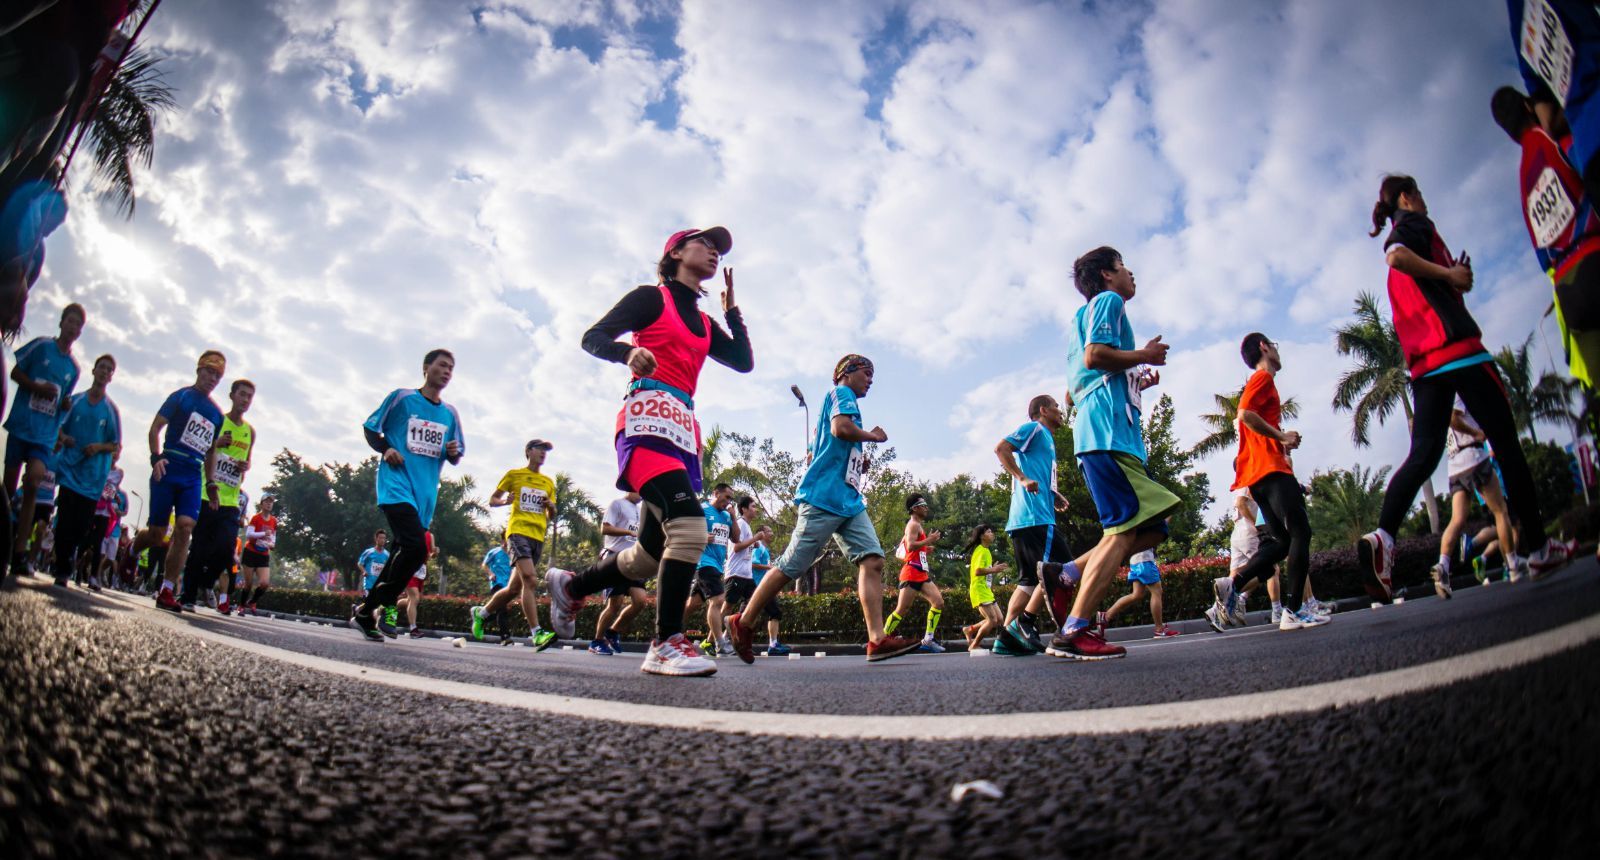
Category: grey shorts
[1474,480]
[856,538]
[524,547]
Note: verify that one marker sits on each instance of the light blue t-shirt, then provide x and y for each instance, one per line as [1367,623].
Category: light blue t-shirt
[719,524]
[34,418]
[759,555]
[499,563]
[371,563]
[1108,405]
[833,480]
[88,423]
[420,430]
[1036,457]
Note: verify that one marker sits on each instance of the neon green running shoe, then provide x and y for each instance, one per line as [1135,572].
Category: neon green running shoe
[543,639]
[477,623]
[391,615]
[709,648]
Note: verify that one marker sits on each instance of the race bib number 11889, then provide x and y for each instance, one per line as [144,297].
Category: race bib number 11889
[425,438]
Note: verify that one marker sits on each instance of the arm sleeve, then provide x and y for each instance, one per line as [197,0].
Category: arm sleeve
[732,351]
[844,403]
[1409,232]
[375,441]
[637,310]
[1020,438]
[1105,320]
[458,435]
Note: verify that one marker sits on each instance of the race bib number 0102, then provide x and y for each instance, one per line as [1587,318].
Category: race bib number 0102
[229,470]
[652,413]
[425,438]
[1546,48]
[532,500]
[1550,210]
[198,433]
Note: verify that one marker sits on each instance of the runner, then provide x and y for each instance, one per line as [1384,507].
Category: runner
[107,518]
[980,586]
[372,559]
[760,563]
[211,550]
[658,440]
[108,553]
[1243,544]
[1558,52]
[46,373]
[532,496]
[181,463]
[91,433]
[739,582]
[497,564]
[914,575]
[1263,467]
[415,432]
[830,506]
[255,560]
[1028,455]
[1146,578]
[1472,473]
[708,588]
[1444,351]
[620,529]
[1108,377]
[411,601]
[41,538]
[1562,223]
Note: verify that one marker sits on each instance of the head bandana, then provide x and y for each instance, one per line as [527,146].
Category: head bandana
[848,365]
[212,359]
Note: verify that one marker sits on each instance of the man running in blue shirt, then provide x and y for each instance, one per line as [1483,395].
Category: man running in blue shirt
[45,373]
[372,559]
[416,432]
[91,435]
[183,454]
[831,506]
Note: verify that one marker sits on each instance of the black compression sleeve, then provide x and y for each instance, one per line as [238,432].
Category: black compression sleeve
[637,310]
[733,350]
[375,441]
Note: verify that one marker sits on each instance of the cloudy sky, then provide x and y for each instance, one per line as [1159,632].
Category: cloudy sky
[348,183]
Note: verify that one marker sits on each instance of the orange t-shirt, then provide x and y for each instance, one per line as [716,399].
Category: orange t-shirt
[916,567]
[1259,456]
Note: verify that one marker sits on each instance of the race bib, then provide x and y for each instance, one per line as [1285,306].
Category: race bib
[1135,393]
[647,412]
[1546,48]
[48,482]
[531,500]
[229,471]
[198,433]
[425,438]
[44,405]
[719,534]
[1550,210]
[854,468]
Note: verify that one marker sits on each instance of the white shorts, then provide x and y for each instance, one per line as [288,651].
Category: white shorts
[1244,544]
[108,548]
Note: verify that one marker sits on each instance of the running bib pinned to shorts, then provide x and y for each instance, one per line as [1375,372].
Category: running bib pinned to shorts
[229,471]
[1550,210]
[650,412]
[198,433]
[532,499]
[425,438]
[1546,48]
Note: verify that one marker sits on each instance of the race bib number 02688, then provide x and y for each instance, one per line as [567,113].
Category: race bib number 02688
[425,438]
[648,412]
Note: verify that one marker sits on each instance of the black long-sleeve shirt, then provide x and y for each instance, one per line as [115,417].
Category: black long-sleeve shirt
[643,306]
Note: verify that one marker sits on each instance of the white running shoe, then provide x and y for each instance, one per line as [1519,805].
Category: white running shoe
[1552,555]
[1277,614]
[1222,596]
[1441,582]
[677,657]
[564,607]
[1516,568]
[1301,620]
[1316,607]
[1237,610]
[1214,617]
[1375,549]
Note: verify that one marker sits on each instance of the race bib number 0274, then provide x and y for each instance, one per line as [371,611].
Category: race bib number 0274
[648,412]
[198,433]
[425,438]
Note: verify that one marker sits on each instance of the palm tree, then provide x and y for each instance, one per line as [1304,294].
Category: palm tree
[1379,381]
[574,507]
[1344,505]
[123,126]
[1548,399]
[1224,423]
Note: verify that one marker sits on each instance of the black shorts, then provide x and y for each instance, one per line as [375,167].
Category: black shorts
[739,589]
[1036,544]
[772,610]
[524,547]
[42,511]
[707,583]
[251,558]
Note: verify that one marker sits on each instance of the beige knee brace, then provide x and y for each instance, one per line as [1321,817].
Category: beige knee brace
[637,564]
[686,539]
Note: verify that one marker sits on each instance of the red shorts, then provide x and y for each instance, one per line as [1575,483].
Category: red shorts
[415,583]
[644,464]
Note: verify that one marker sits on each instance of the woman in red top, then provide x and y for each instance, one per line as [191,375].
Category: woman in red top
[658,439]
[260,536]
[1444,352]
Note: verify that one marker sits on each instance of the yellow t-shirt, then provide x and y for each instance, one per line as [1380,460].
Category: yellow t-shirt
[530,491]
[982,559]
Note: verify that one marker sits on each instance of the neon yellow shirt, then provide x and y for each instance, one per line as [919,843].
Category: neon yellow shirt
[530,492]
[229,472]
[982,559]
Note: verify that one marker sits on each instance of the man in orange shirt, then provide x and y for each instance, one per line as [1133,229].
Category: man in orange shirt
[1263,466]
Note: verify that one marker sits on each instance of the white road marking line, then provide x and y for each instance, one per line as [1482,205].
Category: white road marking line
[1247,707]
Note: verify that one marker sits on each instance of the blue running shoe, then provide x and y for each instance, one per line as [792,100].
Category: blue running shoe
[601,647]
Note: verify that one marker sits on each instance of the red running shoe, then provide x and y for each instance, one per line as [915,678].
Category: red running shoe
[743,641]
[1084,645]
[889,647]
[1061,601]
[166,601]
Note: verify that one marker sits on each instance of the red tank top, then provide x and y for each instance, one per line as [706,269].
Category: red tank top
[679,352]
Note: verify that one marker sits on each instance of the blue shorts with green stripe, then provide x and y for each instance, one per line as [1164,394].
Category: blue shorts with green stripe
[1124,494]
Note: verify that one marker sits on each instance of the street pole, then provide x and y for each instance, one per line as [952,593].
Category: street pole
[795,390]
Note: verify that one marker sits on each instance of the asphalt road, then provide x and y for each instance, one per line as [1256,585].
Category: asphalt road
[125,734]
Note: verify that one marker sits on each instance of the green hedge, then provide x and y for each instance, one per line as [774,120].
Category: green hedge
[837,617]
